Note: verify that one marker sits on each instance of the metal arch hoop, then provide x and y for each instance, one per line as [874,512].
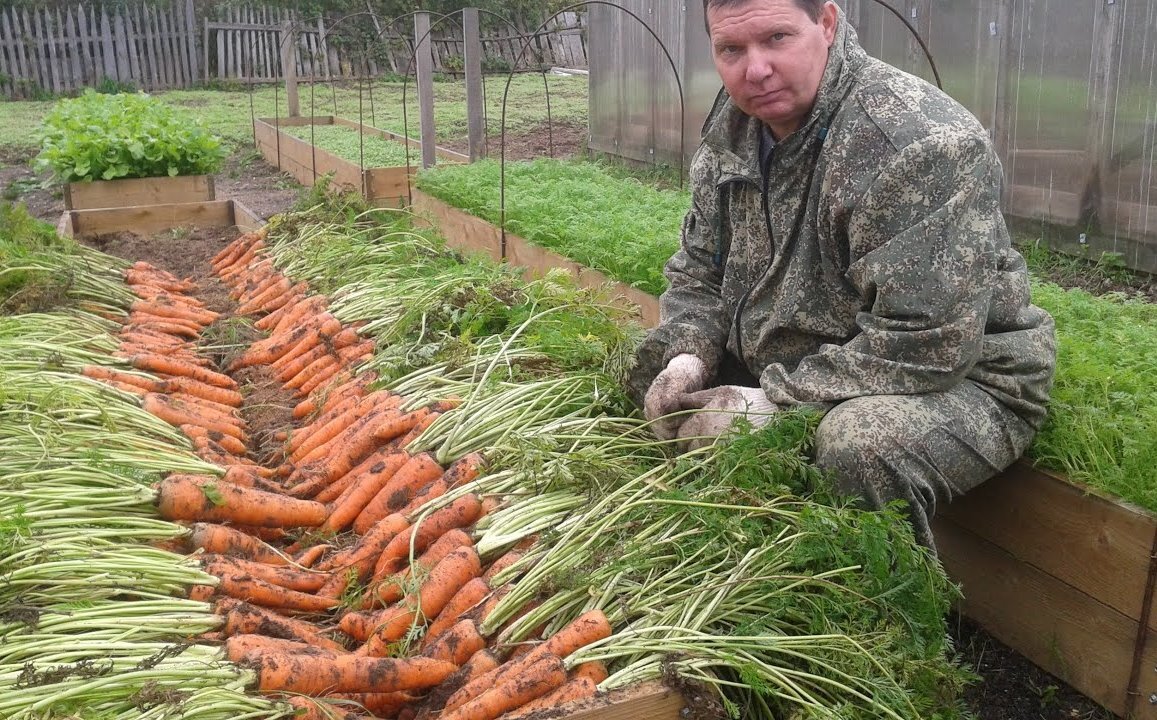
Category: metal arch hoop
[916,34]
[510,77]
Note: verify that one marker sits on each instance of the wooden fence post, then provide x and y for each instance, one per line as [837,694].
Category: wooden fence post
[1105,76]
[425,86]
[475,100]
[288,41]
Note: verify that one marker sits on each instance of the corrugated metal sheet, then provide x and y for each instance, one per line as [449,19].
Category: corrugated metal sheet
[1067,88]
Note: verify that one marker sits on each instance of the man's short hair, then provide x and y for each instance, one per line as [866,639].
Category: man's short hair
[814,8]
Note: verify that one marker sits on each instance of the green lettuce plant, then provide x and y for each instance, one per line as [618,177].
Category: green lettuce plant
[106,137]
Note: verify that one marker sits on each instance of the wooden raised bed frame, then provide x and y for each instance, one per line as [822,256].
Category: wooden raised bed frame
[384,187]
[1060,573]
[128,192]
[148,219]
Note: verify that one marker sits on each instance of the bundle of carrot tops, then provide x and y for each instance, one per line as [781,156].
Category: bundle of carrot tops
[465,519]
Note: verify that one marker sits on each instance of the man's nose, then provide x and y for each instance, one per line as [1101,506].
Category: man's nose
[759,68]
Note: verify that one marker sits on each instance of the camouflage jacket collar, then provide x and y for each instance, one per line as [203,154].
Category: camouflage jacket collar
[734,135]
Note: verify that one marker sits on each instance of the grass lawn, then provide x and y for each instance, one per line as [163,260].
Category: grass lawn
[227,112]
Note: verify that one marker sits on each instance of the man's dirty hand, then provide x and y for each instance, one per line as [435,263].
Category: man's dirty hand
[684,374]
[717,408]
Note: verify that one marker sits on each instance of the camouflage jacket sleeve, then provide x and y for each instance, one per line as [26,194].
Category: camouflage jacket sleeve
[921,253]
[694,315]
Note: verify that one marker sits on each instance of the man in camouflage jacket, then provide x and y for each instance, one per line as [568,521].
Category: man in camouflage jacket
[846,251]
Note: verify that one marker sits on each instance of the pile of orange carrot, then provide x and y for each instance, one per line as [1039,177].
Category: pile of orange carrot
[312,552]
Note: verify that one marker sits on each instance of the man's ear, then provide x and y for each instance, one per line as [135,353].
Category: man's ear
[829,19]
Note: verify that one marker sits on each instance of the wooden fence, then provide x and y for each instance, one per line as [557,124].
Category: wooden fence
[154,46]
[61,50]
[244,45]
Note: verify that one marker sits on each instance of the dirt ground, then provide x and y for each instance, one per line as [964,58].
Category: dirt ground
[1010,687]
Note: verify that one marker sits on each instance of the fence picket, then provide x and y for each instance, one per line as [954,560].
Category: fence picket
[7,72]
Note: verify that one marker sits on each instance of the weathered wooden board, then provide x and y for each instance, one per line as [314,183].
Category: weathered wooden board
[305,162]
[1065,631]
[146,219]
[138,191]
[646,701]
[466,232]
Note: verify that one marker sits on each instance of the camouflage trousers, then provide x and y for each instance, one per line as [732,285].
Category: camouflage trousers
[924,449]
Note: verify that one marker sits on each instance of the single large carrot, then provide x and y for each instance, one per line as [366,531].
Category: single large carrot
[445,579]
[229,541]
[345,673]
[260,592]
[203,499]
[243,618]
[398,490]
[461,513]
[393,588]
[456,644]
[285,576]
[350,504]
[537,679]
[159,363]
[467,597]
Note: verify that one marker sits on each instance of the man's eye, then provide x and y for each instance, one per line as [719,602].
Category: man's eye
[778,37]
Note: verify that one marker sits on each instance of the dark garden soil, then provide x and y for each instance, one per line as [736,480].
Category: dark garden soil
[558,140]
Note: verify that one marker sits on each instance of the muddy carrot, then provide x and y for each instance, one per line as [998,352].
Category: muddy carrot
[536,680]
[243,646]
[285,576]
[369,547]
[159,363]
[394,587]
[467,597]
[372,464]
[461,513]
[347,507]
[220,395]
[383,705]
[345,673]
[309,557]
[593,670]
[456,644]
[177,413]
[228,541]
[573,690]
[260,592]
[399,489]
[203,499]
[447,577]
[242,618]
[249,477]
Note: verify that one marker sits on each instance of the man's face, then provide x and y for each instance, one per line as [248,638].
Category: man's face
[771,57]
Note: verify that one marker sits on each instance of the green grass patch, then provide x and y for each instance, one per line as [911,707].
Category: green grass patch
[621,226]
[372,151]
[227,113]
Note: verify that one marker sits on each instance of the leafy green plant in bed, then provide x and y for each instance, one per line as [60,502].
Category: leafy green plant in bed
[618,225]
[106,137]
[373,152]
[1103,415]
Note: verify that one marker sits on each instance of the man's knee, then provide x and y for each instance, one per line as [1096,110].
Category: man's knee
[850,448]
